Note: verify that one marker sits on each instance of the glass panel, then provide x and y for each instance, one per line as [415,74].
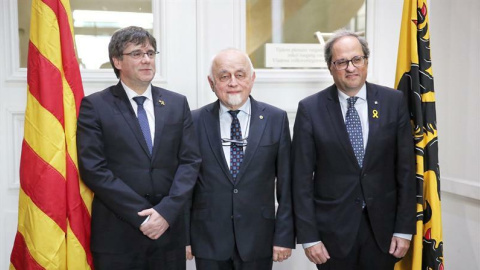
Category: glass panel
[295,22]
[94,22]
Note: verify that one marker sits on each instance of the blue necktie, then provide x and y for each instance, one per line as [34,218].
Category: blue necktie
[143,121]
[354,129]
[236,151]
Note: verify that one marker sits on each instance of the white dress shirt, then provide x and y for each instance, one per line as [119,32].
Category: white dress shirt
[147,105]
[226,122]
[362,109]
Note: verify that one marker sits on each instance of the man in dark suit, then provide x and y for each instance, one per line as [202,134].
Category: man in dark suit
[245,148]
[138,153]
[353,167]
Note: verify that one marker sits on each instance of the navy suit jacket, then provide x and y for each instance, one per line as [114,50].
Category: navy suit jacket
[329,185]
[116,165]
[224,211]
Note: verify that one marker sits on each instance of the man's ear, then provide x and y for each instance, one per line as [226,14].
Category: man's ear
[117,63]
[211,83]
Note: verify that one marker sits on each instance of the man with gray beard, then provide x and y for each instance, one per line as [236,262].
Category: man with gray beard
[245,147]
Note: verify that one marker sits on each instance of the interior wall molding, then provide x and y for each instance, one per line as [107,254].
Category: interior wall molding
[160,26]
[267,76]
[230,17]
[461,187]
[15,124]
[201,56]
[14,74]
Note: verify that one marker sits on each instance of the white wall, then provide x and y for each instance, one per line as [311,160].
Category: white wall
[455,42]
[216,24]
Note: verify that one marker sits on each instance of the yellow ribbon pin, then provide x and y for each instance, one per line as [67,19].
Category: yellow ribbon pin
[375,113]
[161,102]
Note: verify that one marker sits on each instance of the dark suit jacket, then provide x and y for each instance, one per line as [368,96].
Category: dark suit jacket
[329,185]
[224,211]
[116,165]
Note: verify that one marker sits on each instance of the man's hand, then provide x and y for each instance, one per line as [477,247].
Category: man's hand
[155,226]
[188,252]
[399,247]
[317,254]
[280,254]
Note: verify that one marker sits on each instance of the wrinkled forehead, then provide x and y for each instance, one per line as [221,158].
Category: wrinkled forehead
[345,47]
[230,62]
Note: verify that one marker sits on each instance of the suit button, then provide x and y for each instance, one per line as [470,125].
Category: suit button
[231,216]
[147,196]
[235,191]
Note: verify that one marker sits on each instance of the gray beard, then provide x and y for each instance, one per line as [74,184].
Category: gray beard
[234,100]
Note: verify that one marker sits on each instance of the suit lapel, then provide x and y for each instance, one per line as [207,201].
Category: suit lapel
[258,121]
[159,111]
[125,108]
[211,123]
[335,112]
[374,112]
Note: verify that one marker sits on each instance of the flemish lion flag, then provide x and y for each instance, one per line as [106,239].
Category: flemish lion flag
[54,205]
[415,78]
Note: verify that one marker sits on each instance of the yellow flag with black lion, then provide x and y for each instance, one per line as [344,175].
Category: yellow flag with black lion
[415,78]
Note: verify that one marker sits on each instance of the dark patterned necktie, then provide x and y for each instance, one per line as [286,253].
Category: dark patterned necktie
[354,129]
[143,121]
[236,151]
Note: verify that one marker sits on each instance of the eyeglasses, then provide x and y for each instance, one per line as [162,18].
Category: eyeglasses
[357,61]
[226,77]
[140,54]
[230,142]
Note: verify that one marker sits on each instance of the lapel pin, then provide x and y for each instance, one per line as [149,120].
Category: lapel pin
[376,102]
[375,114]
[261,117]
[161,102]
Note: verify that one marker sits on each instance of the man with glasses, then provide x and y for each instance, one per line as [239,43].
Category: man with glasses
[245,148]
[138,153]
[353,166]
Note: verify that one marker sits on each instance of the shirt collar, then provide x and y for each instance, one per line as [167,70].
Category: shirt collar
[131,94]
[246,108]
[362,94]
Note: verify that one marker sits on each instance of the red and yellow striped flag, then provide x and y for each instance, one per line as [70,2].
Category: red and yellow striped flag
[415,78]
[54,205]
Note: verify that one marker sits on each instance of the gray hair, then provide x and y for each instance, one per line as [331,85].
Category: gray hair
[226,50]
[338,35]
[122,37]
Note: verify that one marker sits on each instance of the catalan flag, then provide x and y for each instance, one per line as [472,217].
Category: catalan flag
[414,77]
[54,205]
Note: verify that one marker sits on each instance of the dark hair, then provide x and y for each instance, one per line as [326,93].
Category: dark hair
[338,35]
[122,37]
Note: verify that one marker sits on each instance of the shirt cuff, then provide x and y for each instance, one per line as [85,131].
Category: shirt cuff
[311,244]
[403,235]
[145,221]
